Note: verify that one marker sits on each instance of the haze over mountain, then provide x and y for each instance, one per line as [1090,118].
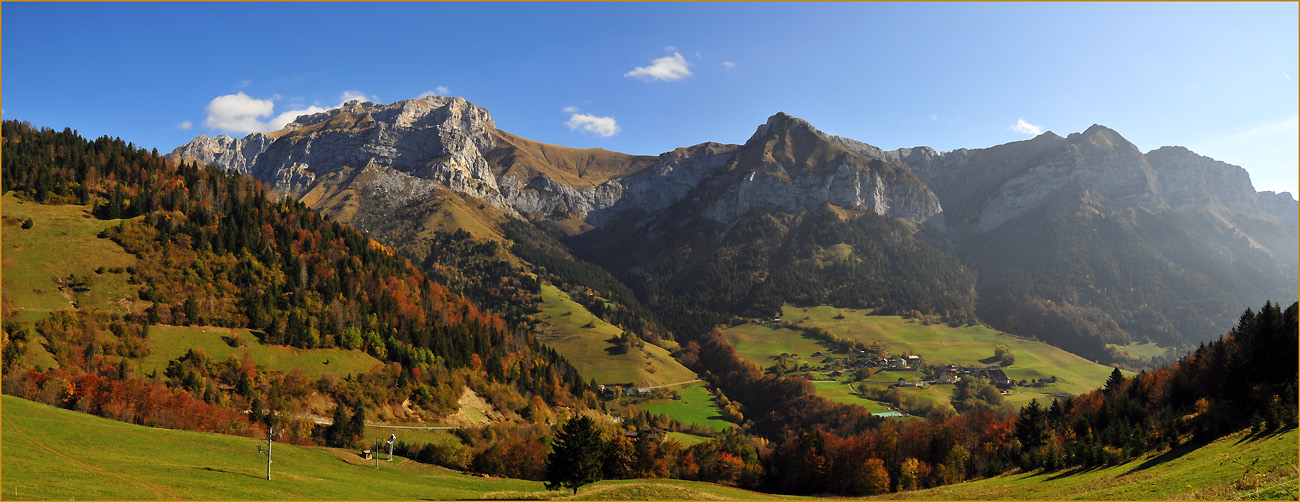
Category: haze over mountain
[1082,241]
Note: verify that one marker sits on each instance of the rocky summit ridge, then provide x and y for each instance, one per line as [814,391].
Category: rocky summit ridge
[411,148]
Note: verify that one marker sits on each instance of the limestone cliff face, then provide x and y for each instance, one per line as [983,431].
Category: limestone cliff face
[414,142]
[983,189]
[1187,180]
[788,164]
[233,154]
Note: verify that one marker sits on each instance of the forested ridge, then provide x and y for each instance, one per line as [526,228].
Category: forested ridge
[213,249]
[695,279]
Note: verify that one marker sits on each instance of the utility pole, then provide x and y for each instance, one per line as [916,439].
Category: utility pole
[375,452]
[271,434]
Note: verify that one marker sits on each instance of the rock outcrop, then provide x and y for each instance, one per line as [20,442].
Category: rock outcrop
[234,154]
[788,164]
[432,140]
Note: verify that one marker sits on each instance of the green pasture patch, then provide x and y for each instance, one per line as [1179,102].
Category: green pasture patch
[1235,467]
[586,342]
[687,439]
[965,345]
[55,454]
[63,241]
[1149,350]
[696,406]
[763,343]
[171,342]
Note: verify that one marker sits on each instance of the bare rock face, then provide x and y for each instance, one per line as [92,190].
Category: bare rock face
[1187,180]
[433,140]
[234,154]
[790,165]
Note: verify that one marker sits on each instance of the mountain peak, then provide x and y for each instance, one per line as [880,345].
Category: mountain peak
[781,123]
[1103,137]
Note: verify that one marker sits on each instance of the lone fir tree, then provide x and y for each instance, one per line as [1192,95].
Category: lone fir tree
[576,456]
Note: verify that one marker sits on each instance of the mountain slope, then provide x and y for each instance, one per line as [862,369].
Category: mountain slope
[1085,241]
[1081,240]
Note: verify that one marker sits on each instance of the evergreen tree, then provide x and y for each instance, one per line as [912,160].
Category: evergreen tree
[576,456]
[356,426]
[1113,383]
[1029,426]
[333,434]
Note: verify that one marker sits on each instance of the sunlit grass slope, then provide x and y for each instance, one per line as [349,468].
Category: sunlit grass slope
[586,341]
[54,454]
[62,241]
[1237,467]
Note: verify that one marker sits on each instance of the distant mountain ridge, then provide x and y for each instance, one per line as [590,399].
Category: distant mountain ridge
[1052,226]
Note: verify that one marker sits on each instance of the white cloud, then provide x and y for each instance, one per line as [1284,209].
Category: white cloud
[185,125]
[238,113]
[285,118]
[1023,127]
[728,65]
[243,83]
[603,126]
[441,90]
[666,68]
[570,109]
[669,48]
[352,96]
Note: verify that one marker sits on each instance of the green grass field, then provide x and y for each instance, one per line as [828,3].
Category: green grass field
[967,345]
[696,406]
[686,439]
[1148,350]
[171,342]
[54,454]
[62,241]
[583,339]
[761,343]
[840,392]
[1216,471]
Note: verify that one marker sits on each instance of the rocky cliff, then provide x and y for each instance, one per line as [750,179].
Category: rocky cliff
[788,164]
[412,147]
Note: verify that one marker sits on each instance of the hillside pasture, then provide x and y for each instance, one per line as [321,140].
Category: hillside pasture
[586,341]
[1235,467]
[171,342]
[63,241]
[965,345]
[55,454]
[695,406]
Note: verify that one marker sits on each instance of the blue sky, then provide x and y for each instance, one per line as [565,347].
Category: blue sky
[644,78]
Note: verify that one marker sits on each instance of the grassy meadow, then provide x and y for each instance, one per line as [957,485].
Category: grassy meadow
[586,341]
[1236,467]
[696,406]
[966,345]
[171,342]
[62,241]
[936,343]
[51,454]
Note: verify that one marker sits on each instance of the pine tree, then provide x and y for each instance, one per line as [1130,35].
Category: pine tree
[1116,379]
[1029,426]
[576,456]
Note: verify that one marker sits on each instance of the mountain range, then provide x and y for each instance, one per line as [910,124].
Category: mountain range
[1083,241]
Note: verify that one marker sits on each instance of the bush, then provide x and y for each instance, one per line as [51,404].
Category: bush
[27,224]
[452,455]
